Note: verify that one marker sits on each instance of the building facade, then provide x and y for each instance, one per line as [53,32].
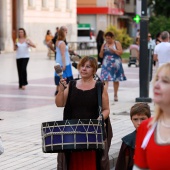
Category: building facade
[36,17]
[100,13]
[132,7]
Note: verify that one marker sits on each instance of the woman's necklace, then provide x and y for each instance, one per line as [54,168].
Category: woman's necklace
[164,125]
[159,137]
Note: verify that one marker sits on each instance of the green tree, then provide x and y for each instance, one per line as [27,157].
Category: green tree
[160,7]
[158,24]
[121,36]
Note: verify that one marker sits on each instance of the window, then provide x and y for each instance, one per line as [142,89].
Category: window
[68,4]
[56,3]
[44,3]
[30,3]
[134,2]
[127,1]
[84,33]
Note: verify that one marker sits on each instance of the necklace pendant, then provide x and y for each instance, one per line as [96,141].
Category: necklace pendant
[164,125]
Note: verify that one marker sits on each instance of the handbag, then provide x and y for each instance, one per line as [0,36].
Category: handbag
[99,95]
[107,132]
[74,134]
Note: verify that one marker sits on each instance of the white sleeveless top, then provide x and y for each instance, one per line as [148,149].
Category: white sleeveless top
[22,50]
[59,57]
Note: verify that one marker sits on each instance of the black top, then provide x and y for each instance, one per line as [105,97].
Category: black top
[129,139]
[100,41]
[81,104]
[128,145]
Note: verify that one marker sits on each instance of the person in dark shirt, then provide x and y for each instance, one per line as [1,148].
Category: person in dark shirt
[138,113]
[100,41]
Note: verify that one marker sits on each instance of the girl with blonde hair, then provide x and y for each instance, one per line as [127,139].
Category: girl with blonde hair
[153,136]
[63,57]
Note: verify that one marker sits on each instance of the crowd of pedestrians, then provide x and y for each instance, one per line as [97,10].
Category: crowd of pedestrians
[112,70]
[80,100]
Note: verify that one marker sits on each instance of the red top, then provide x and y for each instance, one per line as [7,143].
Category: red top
[155,156]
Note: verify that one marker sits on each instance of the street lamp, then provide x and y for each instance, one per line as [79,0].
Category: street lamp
[144,56]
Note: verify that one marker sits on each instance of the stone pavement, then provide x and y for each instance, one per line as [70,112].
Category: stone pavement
[24,111]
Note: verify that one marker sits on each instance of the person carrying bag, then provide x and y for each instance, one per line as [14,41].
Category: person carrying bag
[80,101]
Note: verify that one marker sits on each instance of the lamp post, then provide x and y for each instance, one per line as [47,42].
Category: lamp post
[144,56]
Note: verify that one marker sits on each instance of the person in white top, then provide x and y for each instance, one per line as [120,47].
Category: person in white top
[162,50]
[22,46]
[151,43]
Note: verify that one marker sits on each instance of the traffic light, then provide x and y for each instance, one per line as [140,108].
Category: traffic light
[137,19]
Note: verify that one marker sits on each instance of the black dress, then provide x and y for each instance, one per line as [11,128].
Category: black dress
[82,104]
[100,42]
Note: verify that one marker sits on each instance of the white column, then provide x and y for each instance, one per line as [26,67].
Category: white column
[6,43]
[20,13]
[3,24]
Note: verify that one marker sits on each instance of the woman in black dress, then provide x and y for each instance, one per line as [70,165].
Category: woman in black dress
[80,101]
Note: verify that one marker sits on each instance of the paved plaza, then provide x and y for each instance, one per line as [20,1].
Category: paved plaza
[23,111]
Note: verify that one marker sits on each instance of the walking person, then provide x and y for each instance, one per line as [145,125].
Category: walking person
[153,136]
[63,57]
[56,33]
[156,41]
[52,44]
[22,46]
[158,38]
[112,69]
[162,50]
[48,38]
[99,41]
[80,101]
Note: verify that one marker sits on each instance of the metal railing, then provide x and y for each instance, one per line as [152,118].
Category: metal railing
[84,48]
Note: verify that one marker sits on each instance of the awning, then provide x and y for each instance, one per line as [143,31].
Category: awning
[99,10]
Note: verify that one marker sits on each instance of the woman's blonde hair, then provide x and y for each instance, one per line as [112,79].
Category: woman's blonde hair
[61,34]
[158,110]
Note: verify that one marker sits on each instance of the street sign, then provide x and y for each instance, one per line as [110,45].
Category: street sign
[84,25]
[137,19]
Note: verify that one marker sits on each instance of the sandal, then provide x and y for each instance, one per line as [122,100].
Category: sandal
[115,98]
